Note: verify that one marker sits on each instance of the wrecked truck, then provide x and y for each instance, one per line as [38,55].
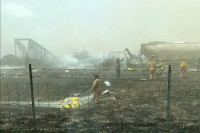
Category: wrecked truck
[172,52]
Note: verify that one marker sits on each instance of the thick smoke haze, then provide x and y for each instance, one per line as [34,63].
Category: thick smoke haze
[71,61]
[98,26]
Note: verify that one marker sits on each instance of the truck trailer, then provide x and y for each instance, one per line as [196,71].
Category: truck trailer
[171,52]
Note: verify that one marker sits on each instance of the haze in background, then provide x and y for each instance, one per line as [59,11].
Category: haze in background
[98,26]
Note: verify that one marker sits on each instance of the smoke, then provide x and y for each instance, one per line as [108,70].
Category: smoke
[87,61]
[12,67]
[68,60]
[64,26]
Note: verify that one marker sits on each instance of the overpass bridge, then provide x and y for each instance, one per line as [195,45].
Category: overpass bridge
[35,54]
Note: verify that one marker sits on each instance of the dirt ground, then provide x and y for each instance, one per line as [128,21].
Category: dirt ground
[139,105]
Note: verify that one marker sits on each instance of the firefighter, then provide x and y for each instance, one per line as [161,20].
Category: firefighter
[139,57]
[96,88]
[27,62]
[183,66]
[151,66]
[118,68]
[198,64]
[160,68]
[153,58]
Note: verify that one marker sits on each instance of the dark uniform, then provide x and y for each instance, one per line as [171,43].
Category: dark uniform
[118,68]
[198,64]
[27,62]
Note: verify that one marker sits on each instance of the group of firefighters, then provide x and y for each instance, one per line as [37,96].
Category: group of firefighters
[152,67]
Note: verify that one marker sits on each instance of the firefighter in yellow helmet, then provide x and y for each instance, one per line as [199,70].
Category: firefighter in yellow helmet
[184,67]
[96,88]
[151,66]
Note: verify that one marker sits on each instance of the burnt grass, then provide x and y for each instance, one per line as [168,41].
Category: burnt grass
[140,105]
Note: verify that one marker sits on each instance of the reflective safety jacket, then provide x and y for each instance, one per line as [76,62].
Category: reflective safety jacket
[161,66]
[184,63]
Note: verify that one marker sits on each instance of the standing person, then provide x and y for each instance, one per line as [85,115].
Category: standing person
[151,66]
[27,62]
[184,66]
[118,68]
[154,58]
[96,88]
[160,68]
[139,58]
[198,64]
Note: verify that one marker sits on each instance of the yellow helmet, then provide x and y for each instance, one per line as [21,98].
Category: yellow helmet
[183,58]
